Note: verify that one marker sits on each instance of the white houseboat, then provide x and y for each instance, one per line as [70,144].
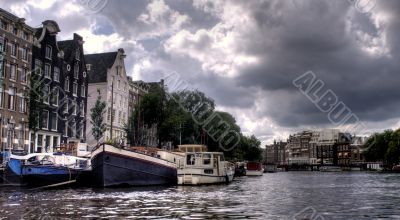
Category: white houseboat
[198,166]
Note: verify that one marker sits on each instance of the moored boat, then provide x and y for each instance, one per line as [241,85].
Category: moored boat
[254,169]
[201,167]
[42,169]
[113,166]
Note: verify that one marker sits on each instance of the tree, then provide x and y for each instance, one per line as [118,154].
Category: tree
[35,103]
[130,128]
[97,116]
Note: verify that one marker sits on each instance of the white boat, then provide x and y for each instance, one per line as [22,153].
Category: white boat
[201,167]
[254,169]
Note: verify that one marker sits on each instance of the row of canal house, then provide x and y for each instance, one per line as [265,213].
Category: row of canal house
[313,148]
[71,83]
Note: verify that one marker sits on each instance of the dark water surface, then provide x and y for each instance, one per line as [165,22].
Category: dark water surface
[290,195]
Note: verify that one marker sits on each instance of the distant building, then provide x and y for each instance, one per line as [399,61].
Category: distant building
[106,72]
[276,153]
[16,39]
[331,147]
[357,148]
[299,148]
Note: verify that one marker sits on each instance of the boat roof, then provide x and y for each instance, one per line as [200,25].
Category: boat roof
[192,148]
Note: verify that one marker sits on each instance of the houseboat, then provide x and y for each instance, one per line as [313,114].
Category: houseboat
[119,166]
[43,169]
[200,167]
[254,169]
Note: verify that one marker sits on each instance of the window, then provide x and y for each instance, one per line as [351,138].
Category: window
[47,70]
[74,108]
[83,91]
[206,159]
[66,128]
[66,85]
[81,130]
[82,110]
[55,141]
[2,68]
[23,75]
[4,25]
[2,44]
[76,70]
[11,98]
[73,128]
[75,89]
[56,76]
[46,94]
[48,51]
[25,35]
[54,121]
[54,96]
[2,88]
[13,71]
[38,67]
[22,104]
[77,54]
[66,106]
[24,54]
[45,119]
[190,159]
[13,51]
[88,66]
[15,31]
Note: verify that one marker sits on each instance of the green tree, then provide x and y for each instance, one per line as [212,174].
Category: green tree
[35,103]
[97,116]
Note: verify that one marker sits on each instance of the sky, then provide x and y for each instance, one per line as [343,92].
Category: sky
[247,55]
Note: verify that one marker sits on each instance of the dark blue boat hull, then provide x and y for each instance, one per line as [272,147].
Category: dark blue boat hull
[42,175]
[110,169]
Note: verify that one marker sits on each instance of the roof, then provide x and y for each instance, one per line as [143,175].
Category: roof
[100,63]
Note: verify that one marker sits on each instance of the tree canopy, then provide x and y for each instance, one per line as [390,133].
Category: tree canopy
[189,117]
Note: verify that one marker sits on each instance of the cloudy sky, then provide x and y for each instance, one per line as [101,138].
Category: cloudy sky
[246,54]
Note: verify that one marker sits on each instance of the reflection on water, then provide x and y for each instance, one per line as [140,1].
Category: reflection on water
[272,196]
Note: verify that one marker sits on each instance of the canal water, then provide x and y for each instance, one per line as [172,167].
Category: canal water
[286,195]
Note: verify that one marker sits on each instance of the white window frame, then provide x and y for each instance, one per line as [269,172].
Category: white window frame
[13,98]
[66,84]
[56,76]
[47,74]
[76,70]
[46,112]
[48,52]
[75,89]
[46,99]
[55,93]
[52,114]
[23,77]
[83,90]
[15,72]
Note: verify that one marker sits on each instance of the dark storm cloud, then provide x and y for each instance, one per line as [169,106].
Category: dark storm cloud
[313,36]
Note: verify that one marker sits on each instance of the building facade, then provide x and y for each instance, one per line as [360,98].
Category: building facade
[16,39]
[107,76]
[299,148]
[47,65]
[75,89]
[276,153]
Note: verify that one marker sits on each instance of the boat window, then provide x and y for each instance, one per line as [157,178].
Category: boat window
[208,171]
[190,159]
[206,159]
